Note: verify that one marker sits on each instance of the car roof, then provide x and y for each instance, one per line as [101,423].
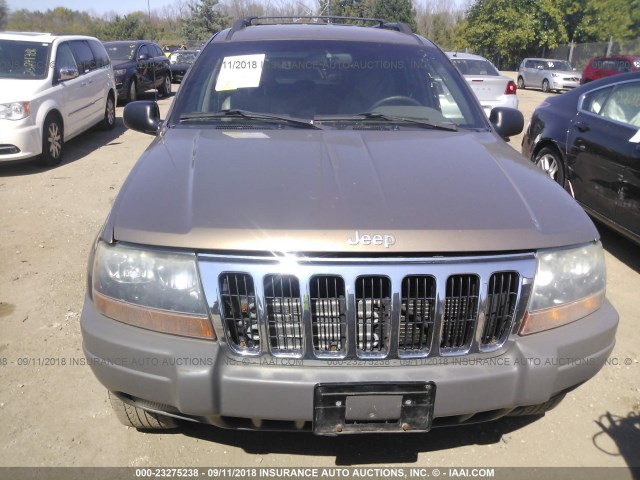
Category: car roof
[465,56]
[615,57]
[318,31]
[127,42]
[41,36]
[546,59]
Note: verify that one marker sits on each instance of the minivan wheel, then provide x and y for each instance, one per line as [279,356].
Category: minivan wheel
[165,89]
[138,418]
[545,86]
[109,121]
[521,83]
[52,141]
[549,161]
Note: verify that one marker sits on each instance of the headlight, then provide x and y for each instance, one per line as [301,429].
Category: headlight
[555,74]
[569,285]
[15,110]
[149,289]
[119,71]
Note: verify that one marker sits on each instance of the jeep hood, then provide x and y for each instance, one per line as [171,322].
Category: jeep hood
[311,191]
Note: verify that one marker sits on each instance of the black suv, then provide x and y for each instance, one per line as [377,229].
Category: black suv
[139,65]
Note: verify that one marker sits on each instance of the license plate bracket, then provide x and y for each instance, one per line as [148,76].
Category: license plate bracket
[341,408]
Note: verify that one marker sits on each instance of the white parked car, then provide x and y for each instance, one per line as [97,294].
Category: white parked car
[52,88]
[491,88]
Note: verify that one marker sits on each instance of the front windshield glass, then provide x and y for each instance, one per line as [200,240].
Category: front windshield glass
[324,80]
[121,51]
[187,58]
[468,66]
[24,60]
[558,65]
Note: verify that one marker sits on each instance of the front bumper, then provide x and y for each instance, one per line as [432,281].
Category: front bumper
[195,379]
[19,140]
[564,83]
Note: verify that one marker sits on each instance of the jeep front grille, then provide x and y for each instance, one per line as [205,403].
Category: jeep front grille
[324,309]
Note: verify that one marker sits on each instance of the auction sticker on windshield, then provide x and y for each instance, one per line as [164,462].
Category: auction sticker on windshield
[242,71]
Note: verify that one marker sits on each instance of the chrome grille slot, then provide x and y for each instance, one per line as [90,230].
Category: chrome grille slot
[239,310]
[460,312]
[502,298]
[284,314]
[373,314]
[364,308]
[328,314]
[417,310]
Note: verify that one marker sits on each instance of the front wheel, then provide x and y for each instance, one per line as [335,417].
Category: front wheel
[521,83]
[139,418]
[165,88]
[545,86]
[109,120]
[550,162]
[52,142]
[132,90]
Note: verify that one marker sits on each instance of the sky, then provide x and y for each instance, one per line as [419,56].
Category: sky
[98,7]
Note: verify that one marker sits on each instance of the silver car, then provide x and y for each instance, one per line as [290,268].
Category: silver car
[491,88]
[548,74]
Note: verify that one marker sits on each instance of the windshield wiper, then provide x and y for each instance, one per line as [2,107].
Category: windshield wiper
[237,113]
[423,122]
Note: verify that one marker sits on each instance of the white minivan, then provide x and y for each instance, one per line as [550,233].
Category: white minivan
[52,88]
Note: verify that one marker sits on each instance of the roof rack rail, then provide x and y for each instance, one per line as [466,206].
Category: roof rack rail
[380,23]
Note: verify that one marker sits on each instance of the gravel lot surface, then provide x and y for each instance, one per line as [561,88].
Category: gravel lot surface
[53,412]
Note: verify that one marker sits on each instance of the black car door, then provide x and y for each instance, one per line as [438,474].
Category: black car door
[144,65]
[602,145]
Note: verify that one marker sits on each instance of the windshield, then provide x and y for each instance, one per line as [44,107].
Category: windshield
[327,81]
[24,60]
[469,66]
[120,51]
[188,58]
[558,65]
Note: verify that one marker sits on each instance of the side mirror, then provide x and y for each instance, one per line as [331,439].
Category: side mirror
[67,73]
[143,57]
[142,116]
[507,121]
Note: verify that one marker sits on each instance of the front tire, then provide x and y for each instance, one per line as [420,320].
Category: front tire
[545,86]
[132,90]
[52,141]
[550,162]
[540,409]
[521,83]
[109,121]
[135,417]
[165,89]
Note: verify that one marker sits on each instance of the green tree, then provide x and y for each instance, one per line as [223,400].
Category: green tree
[4,12]
[347,8]
[396,11]
[599,20]
[134,26]
[507,30]
[204,20]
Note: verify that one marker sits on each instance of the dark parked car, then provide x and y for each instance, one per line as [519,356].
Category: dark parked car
[180,61]
[588,141]
[601,67]
[139,65]
[328,233]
